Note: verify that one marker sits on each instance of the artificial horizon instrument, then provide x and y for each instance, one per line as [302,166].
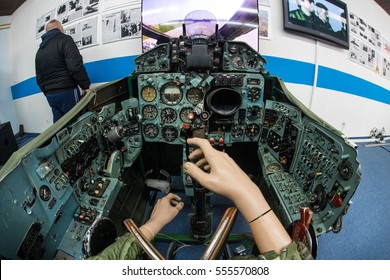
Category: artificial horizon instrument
[66,194]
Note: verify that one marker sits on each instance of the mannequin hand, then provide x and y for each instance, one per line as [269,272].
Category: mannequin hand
[225,177]
[165,210]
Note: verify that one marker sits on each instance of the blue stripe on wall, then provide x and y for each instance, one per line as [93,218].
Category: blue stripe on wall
[110,69]
[25,88]
[339,81]
[298,72]
[291,71]
[100,71]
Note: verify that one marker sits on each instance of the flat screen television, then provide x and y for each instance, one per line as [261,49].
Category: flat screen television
[325,20]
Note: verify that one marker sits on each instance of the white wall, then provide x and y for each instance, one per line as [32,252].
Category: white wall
[352,114]
[7,108]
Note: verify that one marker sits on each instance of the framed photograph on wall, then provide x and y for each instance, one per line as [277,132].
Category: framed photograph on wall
[264,22]
[121,24]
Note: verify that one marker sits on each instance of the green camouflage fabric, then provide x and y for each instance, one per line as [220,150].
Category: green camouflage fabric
[298,14]
[293,251]
[124,248]
[127,248]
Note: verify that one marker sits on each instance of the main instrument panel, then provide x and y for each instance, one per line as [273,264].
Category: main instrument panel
[57,195]
[229,105]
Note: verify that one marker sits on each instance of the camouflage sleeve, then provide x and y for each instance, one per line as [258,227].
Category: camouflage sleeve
[293,251]
[124,248]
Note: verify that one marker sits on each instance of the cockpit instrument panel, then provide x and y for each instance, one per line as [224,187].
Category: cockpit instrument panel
[224,106]
[238,56]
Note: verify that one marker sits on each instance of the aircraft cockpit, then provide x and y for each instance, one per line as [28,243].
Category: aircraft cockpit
[66,194]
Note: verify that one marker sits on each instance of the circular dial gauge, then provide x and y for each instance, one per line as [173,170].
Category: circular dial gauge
[171,94]
[237,62]
[254,94]
[186,115]
[148,93]
[346,170]
[194,96]
[149,112]
[44,193]
[162,52]
[252,130]
[237,132]
[273,167]
[232,48]
[84,185]
[318,199]
[168,115]
[252,62]
[169,133]
[151,130]
[253,113]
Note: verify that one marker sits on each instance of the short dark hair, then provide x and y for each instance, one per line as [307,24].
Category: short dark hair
[311,1]
[318,4]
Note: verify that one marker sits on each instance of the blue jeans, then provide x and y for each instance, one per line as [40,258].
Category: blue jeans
[62,102]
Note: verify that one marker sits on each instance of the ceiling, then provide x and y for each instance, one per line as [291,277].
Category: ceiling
[385,4]
[7,7]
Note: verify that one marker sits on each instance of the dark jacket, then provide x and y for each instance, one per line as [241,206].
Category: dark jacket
[59,64]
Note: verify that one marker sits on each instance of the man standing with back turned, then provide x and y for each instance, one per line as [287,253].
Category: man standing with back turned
[60,70]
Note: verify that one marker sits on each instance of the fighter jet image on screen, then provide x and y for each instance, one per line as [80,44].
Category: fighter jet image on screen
[66,194]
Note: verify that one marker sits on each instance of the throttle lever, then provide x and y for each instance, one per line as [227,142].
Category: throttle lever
[200,221]
[189,150]
[188,134]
